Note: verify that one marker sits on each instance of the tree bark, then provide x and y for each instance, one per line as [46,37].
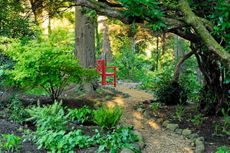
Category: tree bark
[196,23]
[85,39]
[106,47]
[163,43]
[179,64]
[85,50]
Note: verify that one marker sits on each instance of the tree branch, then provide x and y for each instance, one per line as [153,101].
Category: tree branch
[195,22]
[102,9]
[179,64]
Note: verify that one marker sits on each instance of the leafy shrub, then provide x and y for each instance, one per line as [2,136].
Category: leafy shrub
[107,117]
[223,149]
[60,141]
[51,135]
[50,117]
[223,126]
[16,111]
[179,112]
[172,93]
[119,138]
[130,65]
[45,64]
[198,119]
[155,106]
[5,61]
[81,115]
[10,142]
[13,23]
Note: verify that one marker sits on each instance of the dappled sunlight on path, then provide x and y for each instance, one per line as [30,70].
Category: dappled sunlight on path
[157,140]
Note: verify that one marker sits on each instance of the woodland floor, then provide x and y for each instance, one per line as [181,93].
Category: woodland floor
[156,138]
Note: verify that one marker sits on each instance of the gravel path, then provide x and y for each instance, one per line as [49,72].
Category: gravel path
[157,139]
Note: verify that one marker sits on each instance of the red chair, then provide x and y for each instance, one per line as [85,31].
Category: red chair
[101,69]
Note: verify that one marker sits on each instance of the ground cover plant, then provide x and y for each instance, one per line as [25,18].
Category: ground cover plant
[10,142]
[55,133]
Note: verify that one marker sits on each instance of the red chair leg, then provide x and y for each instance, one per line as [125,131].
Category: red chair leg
[103,80]
[115,81]
[115,78]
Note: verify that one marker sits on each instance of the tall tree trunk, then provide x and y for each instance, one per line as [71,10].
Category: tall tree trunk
[163,43]
[178,49]
[85,42]
[158,53]
[178,53]
[106,47]
[49,24]
[85,39]
[179,64]
[37,9]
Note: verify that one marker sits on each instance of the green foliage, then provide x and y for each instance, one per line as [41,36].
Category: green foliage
[10,142]
[198,119]
[80,115]
[37,91]
[51,134]
[16,111]
[223,149]
[5,61]
[172,93]
[45,64]
[144,10]
[180,111]
[50,117]
[107,117]
[130,65]
[155,106]
[60,141]
[209,97]
[162,75]
[51,131]
[189,79]
[223,127]
[220,17]
[119,138]
[12,23]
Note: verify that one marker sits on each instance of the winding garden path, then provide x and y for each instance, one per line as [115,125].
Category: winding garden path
[157,139]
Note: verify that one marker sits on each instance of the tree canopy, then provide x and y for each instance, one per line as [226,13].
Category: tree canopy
[182,17]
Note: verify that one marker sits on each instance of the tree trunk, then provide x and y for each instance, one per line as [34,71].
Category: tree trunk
[106,47]
[191,19]
[178,49]
[85,42]
[158,53]
[179,64]
[85,39]
[213,94]
[163,43]
[36,7]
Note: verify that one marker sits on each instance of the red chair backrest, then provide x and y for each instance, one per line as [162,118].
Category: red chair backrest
[100,66]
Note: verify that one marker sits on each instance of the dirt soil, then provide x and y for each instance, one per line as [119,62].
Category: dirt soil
[14,128]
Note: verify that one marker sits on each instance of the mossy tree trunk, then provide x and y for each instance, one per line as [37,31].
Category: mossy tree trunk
[196,23]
